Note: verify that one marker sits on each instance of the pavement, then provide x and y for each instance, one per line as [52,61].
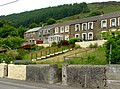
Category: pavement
[18,84]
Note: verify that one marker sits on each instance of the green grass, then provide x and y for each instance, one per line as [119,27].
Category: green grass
[97,57]
[93,57]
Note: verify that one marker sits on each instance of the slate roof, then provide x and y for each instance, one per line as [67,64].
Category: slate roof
[33,29]
[89,19]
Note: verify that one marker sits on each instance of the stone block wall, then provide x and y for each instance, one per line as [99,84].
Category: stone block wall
[84,76]
[3,70]
[113,76]
[17,72]
[42,73]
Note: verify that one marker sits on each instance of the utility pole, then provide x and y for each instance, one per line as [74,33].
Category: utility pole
[110,54]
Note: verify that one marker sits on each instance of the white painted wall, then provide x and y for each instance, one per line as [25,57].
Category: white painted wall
[87,43]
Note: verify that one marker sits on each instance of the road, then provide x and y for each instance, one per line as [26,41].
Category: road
[17,84]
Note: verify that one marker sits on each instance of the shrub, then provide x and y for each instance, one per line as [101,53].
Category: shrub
[73,40]
[53,44]
[63,43]
[93,46]
[37,47]
[77,46]
[9,56]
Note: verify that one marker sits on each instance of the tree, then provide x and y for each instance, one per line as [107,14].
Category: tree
[21,31]
[114,40]
[33,25]
[11,42]
[51,21]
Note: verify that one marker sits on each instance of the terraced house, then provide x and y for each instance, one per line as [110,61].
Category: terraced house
[87,29]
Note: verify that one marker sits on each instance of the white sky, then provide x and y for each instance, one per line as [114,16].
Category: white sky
[27,5]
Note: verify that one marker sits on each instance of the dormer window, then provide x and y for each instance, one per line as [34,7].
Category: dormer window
[84,26]
[56,30]
[61,29]
[77,27]
[90,25]
[113,22]
[103,23]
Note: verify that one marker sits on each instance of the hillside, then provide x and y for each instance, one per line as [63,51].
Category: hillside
[62,13]
[42,15]
[103,7]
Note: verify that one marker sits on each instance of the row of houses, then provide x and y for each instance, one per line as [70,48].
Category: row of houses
[87,29]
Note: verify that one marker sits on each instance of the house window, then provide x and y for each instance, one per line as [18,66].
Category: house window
[77,35]
[56,30]
[119,21]
[66,37]
[90,36]
[61,29]
[103,23]
[90,25]
[84,26]
[77,27]
[113,22]
[84,36]
[66,28]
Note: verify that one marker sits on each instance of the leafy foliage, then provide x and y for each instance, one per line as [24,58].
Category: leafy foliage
[114,40]
[11,42]
[51,21]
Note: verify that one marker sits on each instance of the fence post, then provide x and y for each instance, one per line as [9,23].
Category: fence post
[31,55]
[36,56]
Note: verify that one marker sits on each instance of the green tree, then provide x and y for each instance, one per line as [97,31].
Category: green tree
[33,25]
[21,30]
[11,42]
[114,40]
[51,21]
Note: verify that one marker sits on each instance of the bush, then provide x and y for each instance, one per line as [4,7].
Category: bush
[9,56]
[53,44]
[37,47]
[77,46]
[63,43]
[93,46]
[73,40]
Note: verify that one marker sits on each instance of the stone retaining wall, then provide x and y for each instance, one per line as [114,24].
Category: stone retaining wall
[84,76]
[42,73]
[3,70]
[17,72]
[37,73]
[87,43]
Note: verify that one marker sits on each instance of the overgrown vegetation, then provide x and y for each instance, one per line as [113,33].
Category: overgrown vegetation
[114,41]
[97,57]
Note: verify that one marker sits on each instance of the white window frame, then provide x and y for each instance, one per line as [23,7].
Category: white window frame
[57,30]
[111,22]
[76,27]
[119,21]
[67,28]
[89,35]
[83,25]
[90,28]
[85,34]
[66,37]
[102,23]
[76,35]
[62,29]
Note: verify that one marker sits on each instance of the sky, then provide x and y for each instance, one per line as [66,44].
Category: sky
[26,5]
